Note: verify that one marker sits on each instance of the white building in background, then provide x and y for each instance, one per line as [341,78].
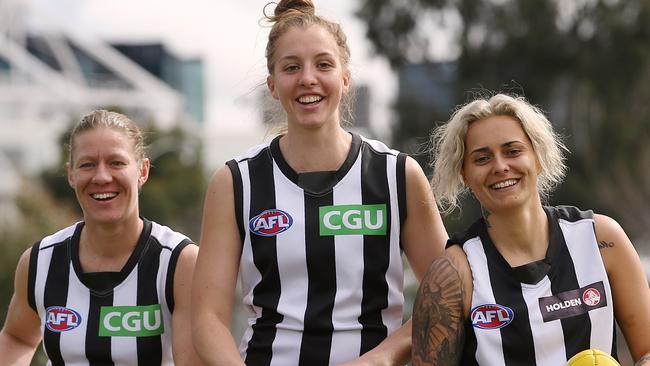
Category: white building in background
[51,77]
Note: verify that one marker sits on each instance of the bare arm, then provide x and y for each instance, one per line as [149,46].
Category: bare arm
[423,238]
[21,333]
[441,307]
[215,276]
[182,347]
[629,286]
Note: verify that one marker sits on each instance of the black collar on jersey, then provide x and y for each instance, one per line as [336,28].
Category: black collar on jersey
[530,273]
[126,270]
[329,180]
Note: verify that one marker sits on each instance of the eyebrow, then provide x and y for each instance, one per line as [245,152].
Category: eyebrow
[486,149]
[322,54]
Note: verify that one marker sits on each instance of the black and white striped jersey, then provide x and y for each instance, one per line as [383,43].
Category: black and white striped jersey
[107,318]
[544,323]
[320,268]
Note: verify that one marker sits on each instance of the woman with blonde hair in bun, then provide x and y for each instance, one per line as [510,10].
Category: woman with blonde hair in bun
[313,222]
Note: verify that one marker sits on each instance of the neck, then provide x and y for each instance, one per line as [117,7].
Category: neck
[521,235]
[316,150]
[107,248]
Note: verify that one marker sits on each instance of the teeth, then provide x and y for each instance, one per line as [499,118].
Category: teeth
[103,196]
[505,183]
[310,99]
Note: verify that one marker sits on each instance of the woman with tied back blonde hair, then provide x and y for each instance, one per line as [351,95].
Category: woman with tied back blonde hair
[526,284]
[314,223]
[113,289]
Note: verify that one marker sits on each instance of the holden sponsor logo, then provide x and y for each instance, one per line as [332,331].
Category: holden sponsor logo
[591,297]
[270,222]
[573,302]
[61,319]
[353,220]
[491,316]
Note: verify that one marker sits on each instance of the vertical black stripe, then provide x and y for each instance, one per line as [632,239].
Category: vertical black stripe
[149,348]
[376,251]
[401,187]
[468,357]
[56,294]
[266,294]
[31,276]
[171,269]
[321,290]
[517,338]
[98,349]
[576,329]
[239,196]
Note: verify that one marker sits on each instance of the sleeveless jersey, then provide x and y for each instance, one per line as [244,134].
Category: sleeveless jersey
[128,324]
[321,272]
[567,311]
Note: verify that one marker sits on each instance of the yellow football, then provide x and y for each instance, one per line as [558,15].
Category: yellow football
[592,357]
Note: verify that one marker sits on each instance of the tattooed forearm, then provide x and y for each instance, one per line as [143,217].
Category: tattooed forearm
[438,329]
[604,245]
[643,361]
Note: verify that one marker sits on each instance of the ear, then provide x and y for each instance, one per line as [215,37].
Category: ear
[145,165]
[71,180]
[346,80]
[270,84]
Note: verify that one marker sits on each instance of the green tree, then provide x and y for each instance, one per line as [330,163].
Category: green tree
[587,63]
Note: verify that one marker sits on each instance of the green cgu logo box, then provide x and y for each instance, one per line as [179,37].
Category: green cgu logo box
[131,321]
[353,220]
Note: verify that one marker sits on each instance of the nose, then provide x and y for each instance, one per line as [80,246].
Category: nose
[500,164]
[102,175]
[308,76]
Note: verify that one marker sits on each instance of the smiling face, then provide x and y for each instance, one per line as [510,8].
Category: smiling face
[106,175]
[500,165]
[308,78]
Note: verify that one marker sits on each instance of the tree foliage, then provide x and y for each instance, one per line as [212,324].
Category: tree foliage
[587,63]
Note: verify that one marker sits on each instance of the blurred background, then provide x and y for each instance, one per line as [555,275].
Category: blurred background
[192,73]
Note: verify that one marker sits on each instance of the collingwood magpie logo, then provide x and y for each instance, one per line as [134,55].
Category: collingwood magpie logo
[574,302]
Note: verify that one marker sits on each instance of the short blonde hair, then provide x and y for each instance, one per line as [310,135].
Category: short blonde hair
[448,143]
[118,121]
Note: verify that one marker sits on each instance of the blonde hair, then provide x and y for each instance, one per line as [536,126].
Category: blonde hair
[448,143]
[118,121]
[302,13]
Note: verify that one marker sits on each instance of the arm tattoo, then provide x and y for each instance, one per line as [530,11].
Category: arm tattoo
[643,361]
[438,328]
[604,245]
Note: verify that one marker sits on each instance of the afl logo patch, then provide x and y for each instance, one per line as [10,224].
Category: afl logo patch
[591,297]
[491,316]
[270,222]
[61,319]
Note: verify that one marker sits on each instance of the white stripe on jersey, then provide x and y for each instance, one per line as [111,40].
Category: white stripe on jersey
[347,301]
[124,350]
[75,338]
[580,239]
[493,355]
[392,315]
[292,271]
[547,337]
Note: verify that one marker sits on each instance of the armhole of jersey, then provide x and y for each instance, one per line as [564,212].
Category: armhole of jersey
[171,270]
[239,196]
[401,186]
[31,276]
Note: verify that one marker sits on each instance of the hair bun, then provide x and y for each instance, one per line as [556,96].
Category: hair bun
[291,6]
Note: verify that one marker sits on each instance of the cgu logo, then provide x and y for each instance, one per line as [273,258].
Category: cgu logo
[61,319]
[270,222]
[353,220]
[131,321]
[491,316]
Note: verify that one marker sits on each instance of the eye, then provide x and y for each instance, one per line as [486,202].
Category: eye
[481,159]
[325,65]
[117,163]
[85,165]
[513,152]
[291,68]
